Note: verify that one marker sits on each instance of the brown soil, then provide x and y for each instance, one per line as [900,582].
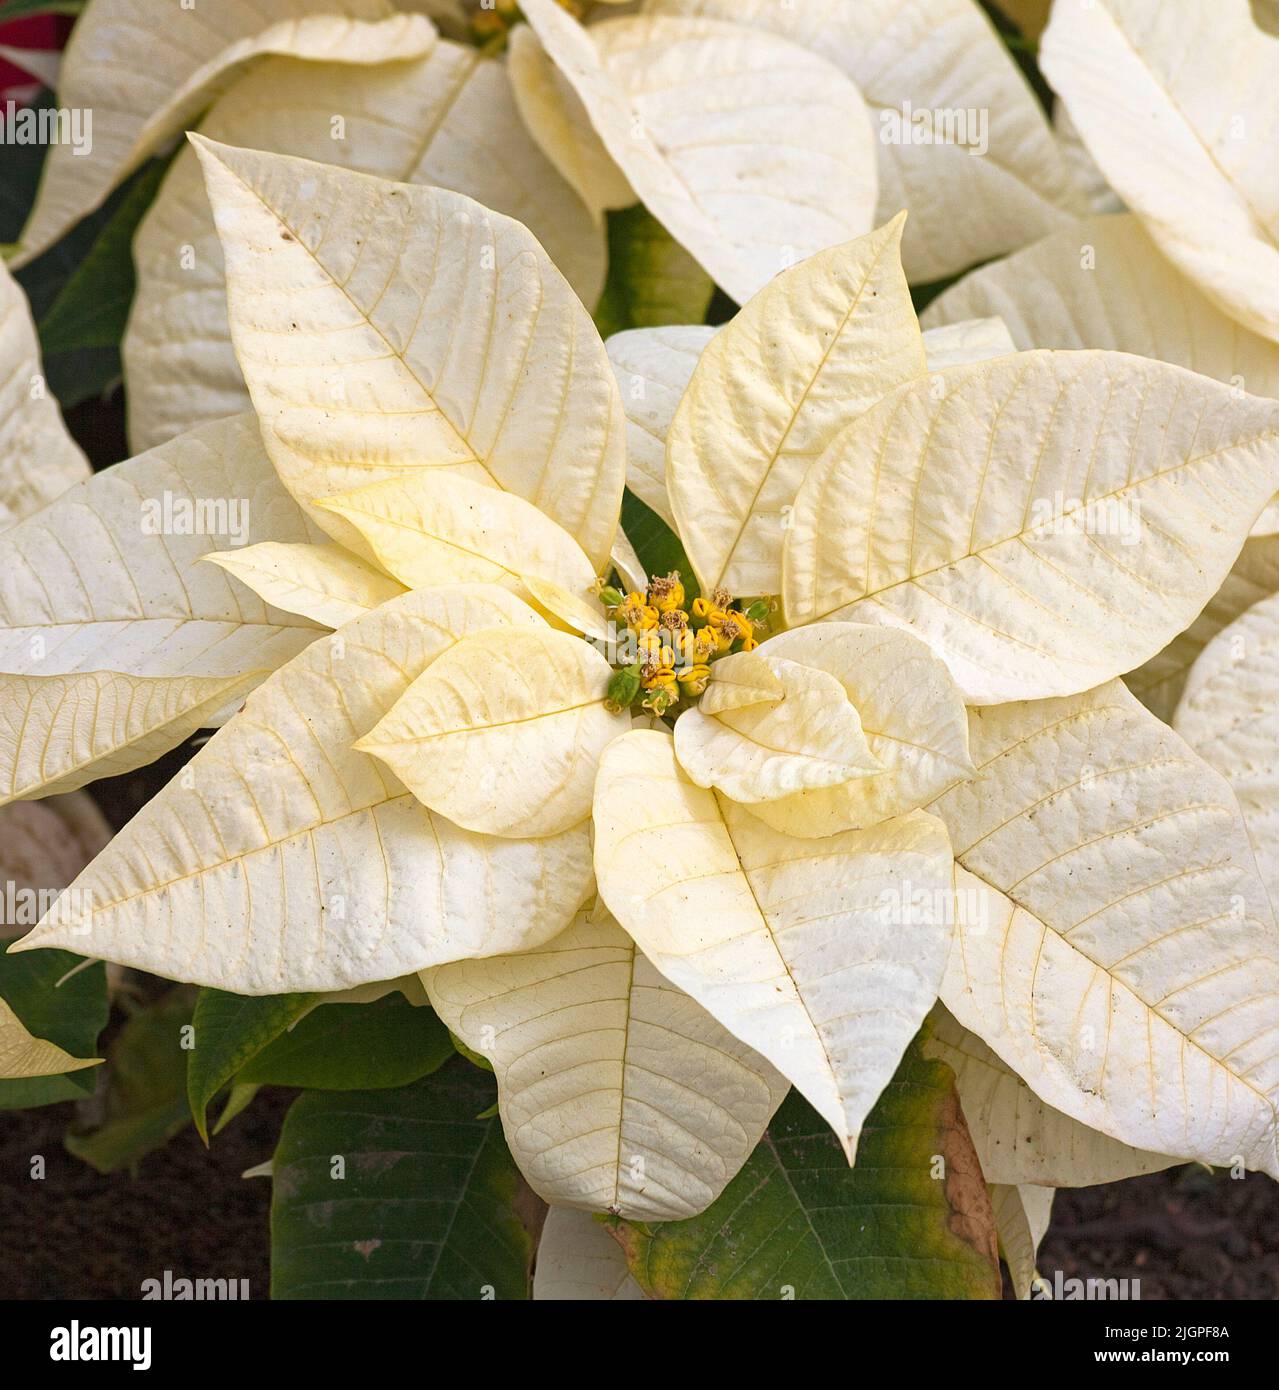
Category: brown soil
[1186,1233]
[77,1234]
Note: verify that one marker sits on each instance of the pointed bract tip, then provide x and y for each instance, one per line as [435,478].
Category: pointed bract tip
[896,225]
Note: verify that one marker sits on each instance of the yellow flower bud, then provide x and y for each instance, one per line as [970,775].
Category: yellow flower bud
[667,593]
[729,627]
[694,678]
[637,614]
[649,645]
[661,678]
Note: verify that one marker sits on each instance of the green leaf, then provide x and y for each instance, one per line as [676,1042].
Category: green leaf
[354,1047]
[20,9]
[922,296]
[230,1029]
[475,1058]
[71,1015]
[400,1194]
[92,308]
[912,1220]
[22,165]
[78,371]
[657,546]
[652,280]
[146,1101]
[238,1100]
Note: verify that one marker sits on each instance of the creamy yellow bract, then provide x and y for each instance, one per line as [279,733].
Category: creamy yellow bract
[663,845]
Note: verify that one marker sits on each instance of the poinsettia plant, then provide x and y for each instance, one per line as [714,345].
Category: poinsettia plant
[747,741]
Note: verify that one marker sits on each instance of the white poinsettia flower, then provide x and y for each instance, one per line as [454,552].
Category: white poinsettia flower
[661,848]
[1187,276]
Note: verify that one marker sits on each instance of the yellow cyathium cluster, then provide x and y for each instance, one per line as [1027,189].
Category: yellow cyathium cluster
[673,642]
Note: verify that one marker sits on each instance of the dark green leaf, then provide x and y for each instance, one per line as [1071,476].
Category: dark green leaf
[354,1047]
[657,546]
[146,1099]
[71,1015]
[652,280]
[400,1194]
[83,372]
[22,165]
[20,9]
[911,1220]
[230,1029]
[92,308]
[922,296]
